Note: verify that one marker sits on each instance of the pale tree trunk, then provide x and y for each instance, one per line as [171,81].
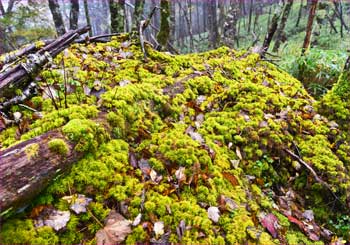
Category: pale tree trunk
[57,17]
[172,37]
[74,14]
[310,22]
[116,8]
[280,30]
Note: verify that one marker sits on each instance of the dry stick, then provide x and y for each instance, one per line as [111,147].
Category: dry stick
[143,25]
[313,172]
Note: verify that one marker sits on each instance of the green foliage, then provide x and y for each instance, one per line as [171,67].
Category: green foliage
[318,70]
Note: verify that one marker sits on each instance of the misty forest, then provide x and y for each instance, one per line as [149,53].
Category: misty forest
[175,122]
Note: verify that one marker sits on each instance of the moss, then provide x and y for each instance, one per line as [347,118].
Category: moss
[58,146]
[32,150]
[85,133]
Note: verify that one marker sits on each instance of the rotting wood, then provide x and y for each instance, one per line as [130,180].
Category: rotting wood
[28,167]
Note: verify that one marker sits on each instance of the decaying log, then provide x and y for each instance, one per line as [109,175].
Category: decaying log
[20,76]
[28,167]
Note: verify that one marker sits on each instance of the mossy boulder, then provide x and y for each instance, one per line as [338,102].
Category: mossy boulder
[189,132]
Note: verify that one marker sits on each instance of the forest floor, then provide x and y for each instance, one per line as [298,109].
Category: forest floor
[219,147]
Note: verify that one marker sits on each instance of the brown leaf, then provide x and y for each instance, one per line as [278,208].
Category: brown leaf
[116,230]
[230,177]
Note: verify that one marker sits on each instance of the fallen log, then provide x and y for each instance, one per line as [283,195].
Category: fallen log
[28,167]
[20,76]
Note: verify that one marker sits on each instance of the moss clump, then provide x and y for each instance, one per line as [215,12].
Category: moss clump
[85,133]
[58,146]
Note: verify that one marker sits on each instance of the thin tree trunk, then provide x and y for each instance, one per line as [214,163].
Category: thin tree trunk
[74,14]
[172,37]
[250,15]
[138,11]
[164,31]
[270,33]
[213,26]
[282,25]
[87,16]
[310,22]
[117,15]
[57,17]
[299,13]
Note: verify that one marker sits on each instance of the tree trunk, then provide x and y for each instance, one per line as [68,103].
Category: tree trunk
[310,22]
[138,11]
[270,33]
[28,167]
[164,31]
[250,15]
[57,17]
[87,16]
[282,25]
[213,25]
[117,15]
[172,37]
[299,13]
[74,14]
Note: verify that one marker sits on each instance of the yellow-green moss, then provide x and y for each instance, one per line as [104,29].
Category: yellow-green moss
[32,150]
[58,146]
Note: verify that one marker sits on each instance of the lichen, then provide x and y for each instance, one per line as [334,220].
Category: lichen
[32,150]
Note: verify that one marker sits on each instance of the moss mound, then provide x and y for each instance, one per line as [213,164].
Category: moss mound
[200,143]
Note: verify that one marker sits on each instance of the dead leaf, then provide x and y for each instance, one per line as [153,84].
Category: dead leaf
[137,220]
[238,153]
[54,218]
[132,159]
[180,174]
[78,202]
[214,214]
[117,228]
[231,178]
[308,215]
[270,222]
[158,228]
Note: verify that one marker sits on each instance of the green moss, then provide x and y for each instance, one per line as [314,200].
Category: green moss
[58,146]
[85,133]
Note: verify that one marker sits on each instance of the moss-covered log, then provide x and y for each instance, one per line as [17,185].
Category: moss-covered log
[28,167]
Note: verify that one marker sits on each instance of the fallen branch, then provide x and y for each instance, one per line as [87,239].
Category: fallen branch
[20,76]
[313,172]
[143,25]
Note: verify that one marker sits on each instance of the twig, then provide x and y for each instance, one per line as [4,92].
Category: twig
[312,171]
[143,25]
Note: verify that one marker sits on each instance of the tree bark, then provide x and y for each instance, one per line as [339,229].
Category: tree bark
[164,32]
[74,14]
[282,25]
[310,22]
[28,167]
[213,25]
[87,16]
[57,17]
[117,15]
[270,33]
